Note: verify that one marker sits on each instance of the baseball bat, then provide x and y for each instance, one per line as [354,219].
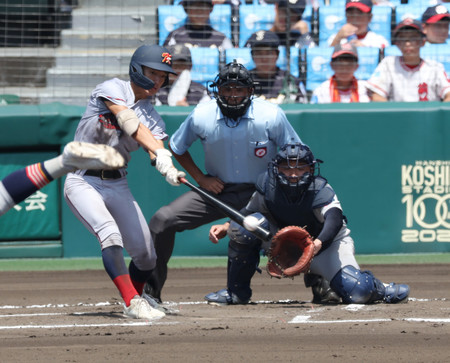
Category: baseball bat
[229,211]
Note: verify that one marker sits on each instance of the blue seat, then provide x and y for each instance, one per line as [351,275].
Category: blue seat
[171,17]
[253,18]
[205,64]
[438,52]
[410,10]
[318,68]
[392,50]
[244,56]
[332,18]
[294,55]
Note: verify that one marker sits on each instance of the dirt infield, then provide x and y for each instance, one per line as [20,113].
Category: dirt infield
[76,317]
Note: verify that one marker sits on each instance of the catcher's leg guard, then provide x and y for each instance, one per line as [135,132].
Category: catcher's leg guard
[322,292]
[395,293]
[357,287]
[361,287]
[243,259]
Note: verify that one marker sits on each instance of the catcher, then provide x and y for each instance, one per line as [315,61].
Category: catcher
[292,193]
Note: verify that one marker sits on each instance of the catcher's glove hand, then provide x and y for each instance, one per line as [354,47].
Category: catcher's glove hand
[291,252]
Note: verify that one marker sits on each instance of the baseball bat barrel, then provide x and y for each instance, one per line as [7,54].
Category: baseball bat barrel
[229,211]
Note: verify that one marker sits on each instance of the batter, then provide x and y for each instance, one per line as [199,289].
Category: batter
[119,114]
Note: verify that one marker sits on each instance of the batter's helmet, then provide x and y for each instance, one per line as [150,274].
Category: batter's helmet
[233,73]
[151,56]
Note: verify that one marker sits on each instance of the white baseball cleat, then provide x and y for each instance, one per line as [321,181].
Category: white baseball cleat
[140,309]
[84,155]
[158,305]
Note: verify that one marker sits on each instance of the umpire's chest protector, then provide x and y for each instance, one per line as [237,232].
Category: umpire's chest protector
[299,213]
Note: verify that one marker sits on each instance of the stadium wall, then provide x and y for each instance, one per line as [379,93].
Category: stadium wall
[389,164]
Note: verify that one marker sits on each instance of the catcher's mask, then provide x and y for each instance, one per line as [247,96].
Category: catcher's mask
[152,56]
[294,156]
[233,76]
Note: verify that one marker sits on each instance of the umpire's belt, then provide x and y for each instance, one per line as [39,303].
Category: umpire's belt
[104,174]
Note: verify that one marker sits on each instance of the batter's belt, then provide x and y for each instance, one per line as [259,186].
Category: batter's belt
[104,174]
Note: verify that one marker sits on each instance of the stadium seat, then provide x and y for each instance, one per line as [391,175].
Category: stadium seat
[244,56]
[171,17]
[409,10]
[392,50]
[332,18]
[318,67]
[282,61]
[205,64]
[253,18]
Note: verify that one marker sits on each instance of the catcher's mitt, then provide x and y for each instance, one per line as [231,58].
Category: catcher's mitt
[291,252]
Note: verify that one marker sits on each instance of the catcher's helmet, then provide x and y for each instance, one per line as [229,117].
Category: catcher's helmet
[295,155]
[233,73]
[151,56]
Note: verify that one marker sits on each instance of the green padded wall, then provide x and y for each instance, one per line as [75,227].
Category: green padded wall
[389,164]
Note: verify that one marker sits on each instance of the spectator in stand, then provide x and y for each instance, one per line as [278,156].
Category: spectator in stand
[288,15]
[275,85]
[409,78]
[181,90]
[197,32]
[435,22]
[356,31]
[342,86]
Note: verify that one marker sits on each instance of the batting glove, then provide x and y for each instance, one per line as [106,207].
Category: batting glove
[163,161]
[173,175]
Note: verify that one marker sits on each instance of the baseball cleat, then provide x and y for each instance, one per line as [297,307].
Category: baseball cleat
[222,297]
[322,292]
[396,293]
[155,304]
[84,155]
[140,309]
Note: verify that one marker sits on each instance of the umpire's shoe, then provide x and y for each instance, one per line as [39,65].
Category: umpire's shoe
[396,293]
[322,292]
[223,297]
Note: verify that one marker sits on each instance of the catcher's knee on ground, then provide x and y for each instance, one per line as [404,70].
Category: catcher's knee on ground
[361,287]
[322,292]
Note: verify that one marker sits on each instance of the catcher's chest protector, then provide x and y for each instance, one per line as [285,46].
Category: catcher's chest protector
[287,213]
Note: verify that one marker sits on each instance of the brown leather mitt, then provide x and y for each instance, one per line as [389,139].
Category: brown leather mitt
[291,252]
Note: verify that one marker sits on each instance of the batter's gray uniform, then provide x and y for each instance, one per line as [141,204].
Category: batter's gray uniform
[106,207]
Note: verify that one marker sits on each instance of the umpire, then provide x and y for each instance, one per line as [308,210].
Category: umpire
[240,135]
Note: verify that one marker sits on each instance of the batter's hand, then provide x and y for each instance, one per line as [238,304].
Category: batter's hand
[218,231]
[211,184]
[163,161]
[173,176]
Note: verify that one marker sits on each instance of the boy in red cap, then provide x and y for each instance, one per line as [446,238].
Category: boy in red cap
[409,78]
[356,30]
[435,22]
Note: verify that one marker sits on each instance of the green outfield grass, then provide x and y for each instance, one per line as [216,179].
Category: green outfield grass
[48,264]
